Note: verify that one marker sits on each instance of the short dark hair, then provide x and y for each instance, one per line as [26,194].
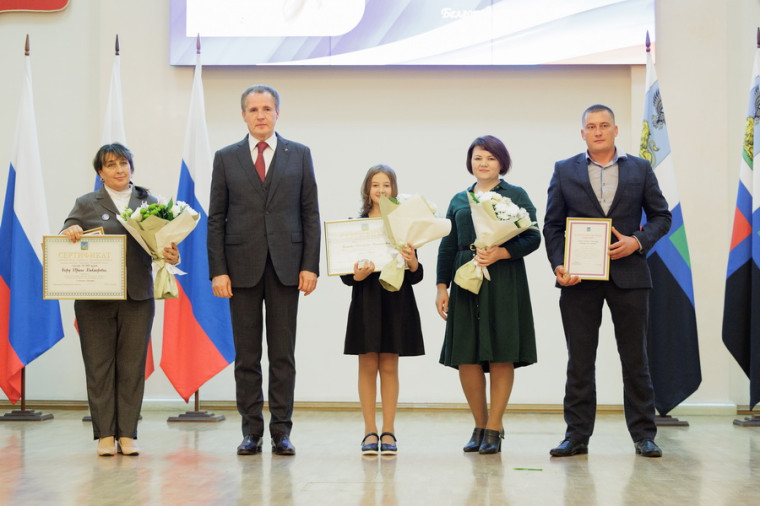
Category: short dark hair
[494,146]
[596,108]
[374,170]
[116,149]
[260,88]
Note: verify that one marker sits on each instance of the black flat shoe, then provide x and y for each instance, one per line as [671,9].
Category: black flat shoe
[251,445]
[647,448]
[281,445]
[491,442]
[568,448]
[473,444]
[370,448]
[388,448]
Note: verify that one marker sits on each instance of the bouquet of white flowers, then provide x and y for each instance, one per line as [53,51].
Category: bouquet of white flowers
[412,220]
[496,220]
[155,227]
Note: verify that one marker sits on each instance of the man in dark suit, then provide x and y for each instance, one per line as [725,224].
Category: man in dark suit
[263,243]
[606,183]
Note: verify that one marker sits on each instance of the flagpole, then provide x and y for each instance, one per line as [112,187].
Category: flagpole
[23,414]
[196,415]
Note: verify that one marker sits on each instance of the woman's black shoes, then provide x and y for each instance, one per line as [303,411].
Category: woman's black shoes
[474,444]
[370,448]
[491,442]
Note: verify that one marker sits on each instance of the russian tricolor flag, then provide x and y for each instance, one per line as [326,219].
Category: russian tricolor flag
[29,325]
[197,340]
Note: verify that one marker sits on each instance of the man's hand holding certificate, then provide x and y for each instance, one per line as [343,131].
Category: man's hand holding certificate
[588,250]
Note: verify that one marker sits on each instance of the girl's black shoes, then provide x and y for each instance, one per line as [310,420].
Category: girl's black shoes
[370,448]
[388,448]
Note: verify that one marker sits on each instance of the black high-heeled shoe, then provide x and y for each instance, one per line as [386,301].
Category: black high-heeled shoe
[476,439]
[491,442]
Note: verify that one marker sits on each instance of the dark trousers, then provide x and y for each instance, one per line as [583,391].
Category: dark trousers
[247,325]
[114,336]
[581,308]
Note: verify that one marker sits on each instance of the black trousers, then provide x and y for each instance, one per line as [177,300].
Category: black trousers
[114,336]
[246,304]
[581,309]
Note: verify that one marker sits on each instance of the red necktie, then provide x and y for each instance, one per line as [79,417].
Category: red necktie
[260,159]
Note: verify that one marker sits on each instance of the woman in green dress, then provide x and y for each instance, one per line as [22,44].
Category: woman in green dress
[492,331]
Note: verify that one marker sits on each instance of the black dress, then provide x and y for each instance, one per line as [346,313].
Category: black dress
[380,321]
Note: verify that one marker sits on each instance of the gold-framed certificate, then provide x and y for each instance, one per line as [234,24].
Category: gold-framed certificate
[348,241]
[587,242]
[93,268]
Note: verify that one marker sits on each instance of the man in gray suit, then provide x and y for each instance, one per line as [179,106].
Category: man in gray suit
[263,248]
[606,183]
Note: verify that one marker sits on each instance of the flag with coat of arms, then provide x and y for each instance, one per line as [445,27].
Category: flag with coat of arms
[741,310]
[672,345]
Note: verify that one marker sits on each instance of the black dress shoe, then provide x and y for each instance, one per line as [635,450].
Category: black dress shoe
[281,445]
[491,442]
[568,448]
[473,444]
[647,448]
[251,445]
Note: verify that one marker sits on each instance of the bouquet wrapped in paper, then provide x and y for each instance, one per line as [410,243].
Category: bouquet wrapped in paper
[155,227]
[496,220]
[408,220]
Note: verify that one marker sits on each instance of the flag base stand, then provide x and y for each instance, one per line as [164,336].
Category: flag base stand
[669,421]
[25,415]
[197,415]
[750,421]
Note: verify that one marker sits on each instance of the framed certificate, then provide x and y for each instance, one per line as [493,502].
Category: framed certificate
[349,241]
[92,268]
[587,242]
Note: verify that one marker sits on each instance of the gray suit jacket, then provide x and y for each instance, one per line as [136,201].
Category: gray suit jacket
[249,219]
[571,195]
[96,209]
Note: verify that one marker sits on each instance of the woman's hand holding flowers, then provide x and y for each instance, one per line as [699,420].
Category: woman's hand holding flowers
[171,254]
[488,256]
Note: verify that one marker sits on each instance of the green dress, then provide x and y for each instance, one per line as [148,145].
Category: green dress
[496,325]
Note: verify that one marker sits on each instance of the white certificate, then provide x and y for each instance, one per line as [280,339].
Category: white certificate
[587,242]
[92,268]
[349,241]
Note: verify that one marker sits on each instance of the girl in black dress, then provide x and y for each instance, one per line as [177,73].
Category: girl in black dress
[382,325]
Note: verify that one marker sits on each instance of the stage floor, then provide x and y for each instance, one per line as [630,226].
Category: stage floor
[711,462]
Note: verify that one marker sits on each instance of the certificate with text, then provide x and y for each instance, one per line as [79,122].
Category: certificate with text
[587,242]
[93,268]
[349,241]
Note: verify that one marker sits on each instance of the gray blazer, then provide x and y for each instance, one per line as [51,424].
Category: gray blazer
[96,209]
[571,195]
[249,219]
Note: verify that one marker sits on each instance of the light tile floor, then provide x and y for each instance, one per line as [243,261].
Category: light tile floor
[712,462]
